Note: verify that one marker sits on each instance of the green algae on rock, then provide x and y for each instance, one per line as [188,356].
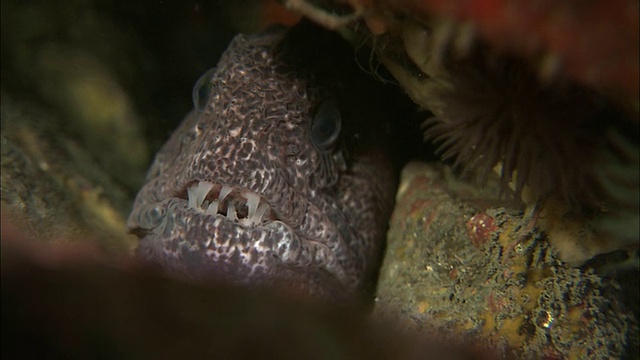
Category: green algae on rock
[53,187]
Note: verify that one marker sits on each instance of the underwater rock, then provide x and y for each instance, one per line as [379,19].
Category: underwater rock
[471,271]
[52,187]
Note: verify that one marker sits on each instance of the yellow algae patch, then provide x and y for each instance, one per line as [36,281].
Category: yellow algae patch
[422,307]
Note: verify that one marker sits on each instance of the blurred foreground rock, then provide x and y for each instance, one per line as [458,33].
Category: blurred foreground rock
[69,302]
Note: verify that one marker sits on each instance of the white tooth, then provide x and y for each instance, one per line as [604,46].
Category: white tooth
[213,208]
[252,202]
[231,212]
[224,192]
[262,209]
[197,193]
[192,197]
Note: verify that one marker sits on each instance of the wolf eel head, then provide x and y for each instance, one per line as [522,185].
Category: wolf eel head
[280,174]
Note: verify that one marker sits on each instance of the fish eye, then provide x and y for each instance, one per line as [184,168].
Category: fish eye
[202,90]
[326,124]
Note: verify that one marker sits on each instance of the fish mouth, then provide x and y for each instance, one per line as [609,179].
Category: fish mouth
[211,230]
[239,205]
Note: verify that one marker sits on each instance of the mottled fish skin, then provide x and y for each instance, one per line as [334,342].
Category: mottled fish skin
[328,203]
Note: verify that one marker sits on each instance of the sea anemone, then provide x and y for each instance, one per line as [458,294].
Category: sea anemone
[495,111]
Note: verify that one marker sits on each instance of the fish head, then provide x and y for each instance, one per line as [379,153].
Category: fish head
[279,175]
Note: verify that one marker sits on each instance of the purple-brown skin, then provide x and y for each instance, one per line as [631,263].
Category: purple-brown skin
[325,195]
